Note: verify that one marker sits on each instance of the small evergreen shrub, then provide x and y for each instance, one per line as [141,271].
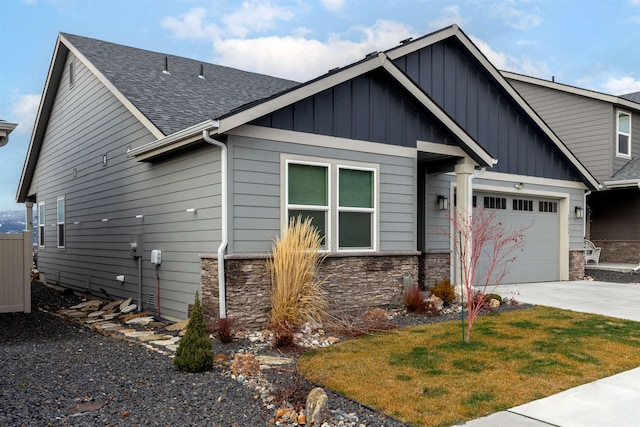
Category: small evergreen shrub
[195,351]
[413,300]
[443,290]
[224,330]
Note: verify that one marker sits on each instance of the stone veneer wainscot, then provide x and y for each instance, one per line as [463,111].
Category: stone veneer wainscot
[354,283]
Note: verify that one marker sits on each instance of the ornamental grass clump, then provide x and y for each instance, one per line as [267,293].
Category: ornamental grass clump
[296,291]
[195,351]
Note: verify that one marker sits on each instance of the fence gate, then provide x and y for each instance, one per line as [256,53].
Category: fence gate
[15,272]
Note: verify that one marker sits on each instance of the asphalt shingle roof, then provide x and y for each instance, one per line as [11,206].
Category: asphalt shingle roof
[175,101]
[629,171]
[635,96]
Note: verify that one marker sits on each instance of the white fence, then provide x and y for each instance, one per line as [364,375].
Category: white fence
[15,272]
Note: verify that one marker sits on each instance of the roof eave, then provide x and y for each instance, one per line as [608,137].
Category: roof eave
[622,183]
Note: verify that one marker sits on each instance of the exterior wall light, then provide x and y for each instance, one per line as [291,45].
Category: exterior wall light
[443,202]
[519,186]
[579,212]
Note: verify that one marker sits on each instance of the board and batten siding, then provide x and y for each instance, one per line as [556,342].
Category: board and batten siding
[255,192]
[463,88]
[102,202]
[585,125]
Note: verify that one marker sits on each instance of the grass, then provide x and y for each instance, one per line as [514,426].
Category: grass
[426,375]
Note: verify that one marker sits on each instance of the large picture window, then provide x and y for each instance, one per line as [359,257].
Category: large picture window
[339,199]
[60,209]
[623,143]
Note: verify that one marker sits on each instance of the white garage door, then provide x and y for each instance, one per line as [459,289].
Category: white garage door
[539,261]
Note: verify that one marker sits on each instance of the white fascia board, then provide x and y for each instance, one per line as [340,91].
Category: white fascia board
[119,95]
[8,127]
[587,93]
[435,110]
[171,142]
[622,183]
[435,148]
[304,91]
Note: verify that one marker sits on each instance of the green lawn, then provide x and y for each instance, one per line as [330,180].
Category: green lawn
[426,375]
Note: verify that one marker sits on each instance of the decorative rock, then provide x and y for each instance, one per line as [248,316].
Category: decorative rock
[178,326]
[112,305]
[494,303]
[318,407]
[138,334]
[128,308]
[96,313]
[436,302]
[154,337]
[126,303]
[92,303]
[109,316]
[246,364]
[274,360]
[302,419]
[170,341]
[140,320]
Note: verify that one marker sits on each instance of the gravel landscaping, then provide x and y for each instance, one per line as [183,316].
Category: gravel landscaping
[56,371]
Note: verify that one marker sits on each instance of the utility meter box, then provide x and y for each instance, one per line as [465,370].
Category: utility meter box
[156,256]
[135,245]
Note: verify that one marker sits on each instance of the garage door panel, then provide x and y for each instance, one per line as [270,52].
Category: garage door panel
[539,259]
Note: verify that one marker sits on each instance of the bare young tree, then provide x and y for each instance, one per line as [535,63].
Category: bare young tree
[485,248]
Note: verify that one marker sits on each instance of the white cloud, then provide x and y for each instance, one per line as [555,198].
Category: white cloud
[622,85]
[333,5]
[302,59]
[450,15]
[23,111]
[522,64]
[255,16]
[237,41]
[516,18]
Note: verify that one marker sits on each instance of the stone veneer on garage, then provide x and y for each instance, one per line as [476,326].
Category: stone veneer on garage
[354,283]
[576,265]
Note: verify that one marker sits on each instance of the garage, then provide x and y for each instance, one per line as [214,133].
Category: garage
[540,259]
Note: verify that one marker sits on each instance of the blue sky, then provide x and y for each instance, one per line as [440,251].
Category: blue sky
[587,43]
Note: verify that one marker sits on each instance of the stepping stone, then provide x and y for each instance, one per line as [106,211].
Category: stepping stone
[110,316]
[107,325]
[89,321]
[172,347]
[154,337]
[139,334]
[78,314]
[123,330]
[96,313]
[129,308]
[140,321]
[274,360]
[177,326]
[85,304]
[165,343]
[112,304]
[126,303]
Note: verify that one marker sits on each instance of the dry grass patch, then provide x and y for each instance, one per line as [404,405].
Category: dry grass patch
[427,376]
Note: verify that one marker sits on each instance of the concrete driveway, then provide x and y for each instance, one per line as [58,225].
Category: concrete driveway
[612,401]
[609,299]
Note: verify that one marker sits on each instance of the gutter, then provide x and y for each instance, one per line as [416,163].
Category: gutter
[622,183]
[225,241]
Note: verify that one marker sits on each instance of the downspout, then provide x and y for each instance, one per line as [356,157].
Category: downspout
[584,217]
[223,244]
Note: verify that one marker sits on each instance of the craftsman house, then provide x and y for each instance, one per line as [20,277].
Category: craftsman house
[603,131]
[154,176]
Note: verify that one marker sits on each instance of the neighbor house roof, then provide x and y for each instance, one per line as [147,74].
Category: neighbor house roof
[634,96]
[628,176]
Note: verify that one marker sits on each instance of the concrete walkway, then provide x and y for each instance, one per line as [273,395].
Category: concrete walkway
[612,401]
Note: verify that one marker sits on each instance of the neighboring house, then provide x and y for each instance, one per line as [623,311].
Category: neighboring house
[5,129]
[603,131]
[208,163]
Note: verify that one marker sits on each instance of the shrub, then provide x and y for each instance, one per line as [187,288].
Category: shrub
[195,351]
[296,294]
[224,330]
[282,334]
[443,290]
[413,300]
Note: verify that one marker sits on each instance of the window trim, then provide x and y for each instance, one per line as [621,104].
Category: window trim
[626,155]
[61,223]
[42,215]
[332,238]
[373,211]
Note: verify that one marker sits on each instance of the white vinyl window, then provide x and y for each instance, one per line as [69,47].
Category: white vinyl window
[41,224]
[339,199]
[356,208]
[623,142]
[308,195]
[60,207]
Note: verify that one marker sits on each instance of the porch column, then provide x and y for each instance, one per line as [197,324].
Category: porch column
[464,170]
